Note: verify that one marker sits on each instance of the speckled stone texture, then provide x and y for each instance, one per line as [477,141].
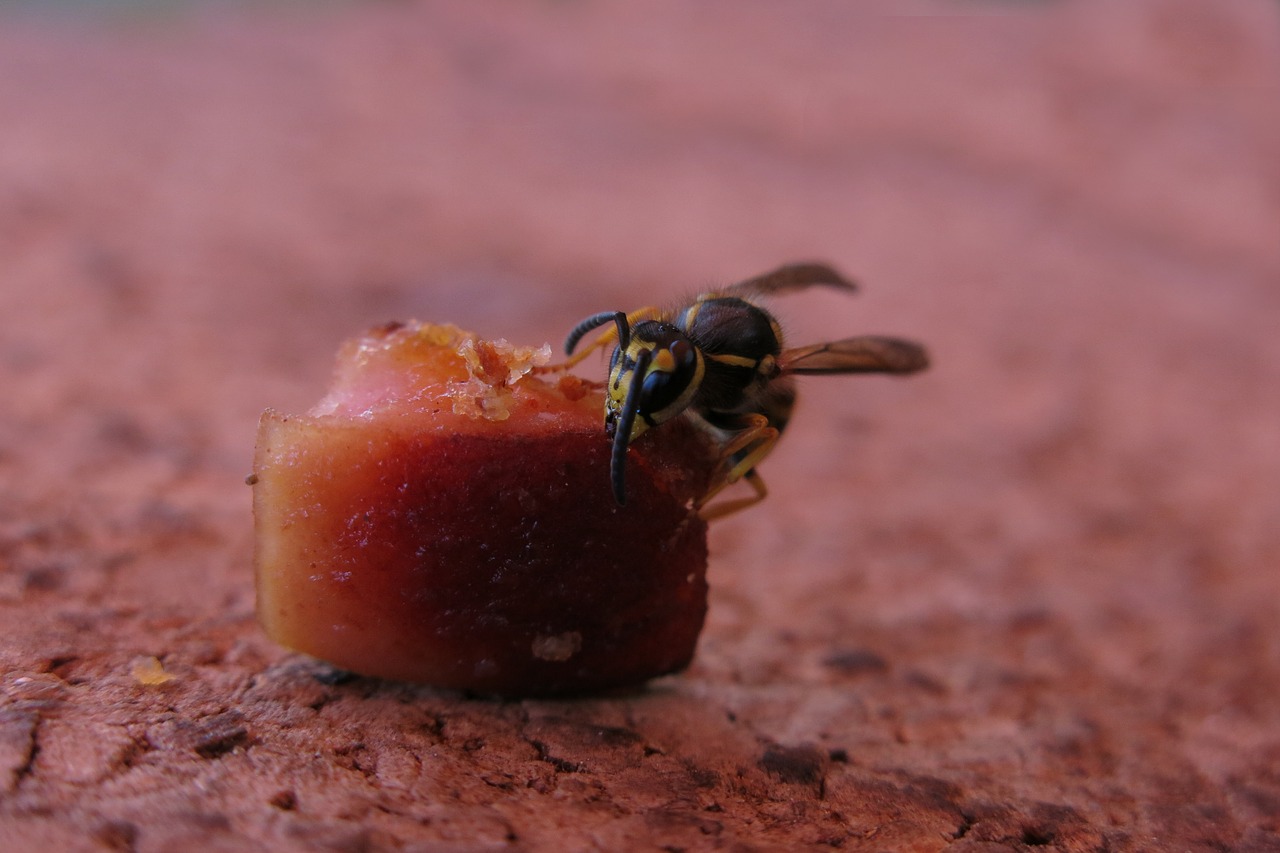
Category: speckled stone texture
[1027,600]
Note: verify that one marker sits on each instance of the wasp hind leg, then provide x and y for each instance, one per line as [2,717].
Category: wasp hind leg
[724,508]
[739,459]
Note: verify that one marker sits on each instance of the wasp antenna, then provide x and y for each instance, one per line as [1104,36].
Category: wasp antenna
[592,322]
[624,330]
[622,429]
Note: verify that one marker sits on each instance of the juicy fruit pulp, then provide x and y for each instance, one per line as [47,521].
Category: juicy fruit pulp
[445,517]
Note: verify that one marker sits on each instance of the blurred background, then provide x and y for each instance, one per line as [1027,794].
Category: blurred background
[1074,203]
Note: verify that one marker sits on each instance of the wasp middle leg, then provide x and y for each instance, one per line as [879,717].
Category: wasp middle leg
[738,461]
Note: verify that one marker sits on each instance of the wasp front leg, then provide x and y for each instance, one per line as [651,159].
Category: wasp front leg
[738,461]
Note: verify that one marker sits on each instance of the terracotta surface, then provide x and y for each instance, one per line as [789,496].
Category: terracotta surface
[1029,599]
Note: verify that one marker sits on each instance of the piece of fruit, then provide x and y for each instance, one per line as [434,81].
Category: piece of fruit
[444,516]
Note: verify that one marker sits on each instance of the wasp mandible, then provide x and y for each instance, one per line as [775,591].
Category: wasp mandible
[720,361]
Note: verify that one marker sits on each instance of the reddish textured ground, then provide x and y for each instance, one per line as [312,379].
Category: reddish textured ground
[1029,599]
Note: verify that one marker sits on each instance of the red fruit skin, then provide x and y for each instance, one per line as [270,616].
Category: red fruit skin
[490,556]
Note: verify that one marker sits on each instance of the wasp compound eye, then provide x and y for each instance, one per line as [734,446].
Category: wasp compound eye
[660,390]
[672,373]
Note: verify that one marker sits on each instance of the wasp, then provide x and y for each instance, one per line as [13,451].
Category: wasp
[720,361]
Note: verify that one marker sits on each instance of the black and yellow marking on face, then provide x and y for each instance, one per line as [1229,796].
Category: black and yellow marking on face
[668,381]
[653,379]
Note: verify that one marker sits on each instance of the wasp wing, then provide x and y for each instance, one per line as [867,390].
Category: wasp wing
[865,354]
[790,278]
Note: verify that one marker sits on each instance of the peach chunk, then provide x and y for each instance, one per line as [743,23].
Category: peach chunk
[444,516]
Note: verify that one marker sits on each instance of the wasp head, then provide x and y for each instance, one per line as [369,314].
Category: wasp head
[654,374]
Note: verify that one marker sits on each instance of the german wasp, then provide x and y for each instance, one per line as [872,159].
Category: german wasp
[720,362]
